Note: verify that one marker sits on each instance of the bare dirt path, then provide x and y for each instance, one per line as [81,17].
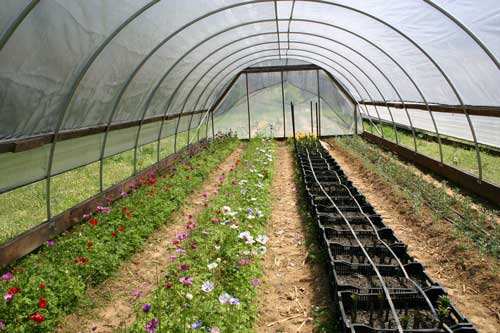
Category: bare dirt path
[292,285]
[461,271]
[117,298]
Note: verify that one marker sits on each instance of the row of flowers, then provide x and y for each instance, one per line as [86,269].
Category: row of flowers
[49,284]
[212,281]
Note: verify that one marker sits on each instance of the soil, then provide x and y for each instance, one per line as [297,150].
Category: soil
[114,302]
[292,285]
[471,279]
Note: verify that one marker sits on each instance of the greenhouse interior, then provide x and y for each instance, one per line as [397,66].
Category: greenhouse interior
[233,166]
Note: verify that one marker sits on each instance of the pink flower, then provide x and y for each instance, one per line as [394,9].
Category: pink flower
[173,257]
[194,245]
[182,236]
[86,216]
[234,182]
[215,220]
[186,280]
[255,282]
[204,233]
[7,276]
[137,293]
[180,251]
[123,193]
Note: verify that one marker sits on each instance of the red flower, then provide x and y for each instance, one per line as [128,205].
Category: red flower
[113,234]
[151,192]
[121,229]
[41,286]
[90,244]
[42,303]
[124,209]
[37,317]
[152,180]
[13,291]
[128,215]
[93,222]
[168,285]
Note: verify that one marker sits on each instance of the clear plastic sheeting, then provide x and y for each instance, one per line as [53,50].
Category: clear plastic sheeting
[268,108]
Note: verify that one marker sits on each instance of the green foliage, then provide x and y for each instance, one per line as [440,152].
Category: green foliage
[242,204]
[476,223]
[90,252]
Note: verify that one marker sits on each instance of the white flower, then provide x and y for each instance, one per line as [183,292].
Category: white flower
[217,247]
[207,286]
[258,213]
[253,199]
[234,226]
[262,249]
[244,235]
[263,239]
[250,240]
[226,210]
[224,298]
[212,265]
[189,296]
[260,175]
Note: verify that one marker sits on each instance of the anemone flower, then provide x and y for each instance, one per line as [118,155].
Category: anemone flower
[207,286]
[151,326]
[196,325]
[186,280]
[7,276]
[224,298]
[146,307]
[255,282]
[212,265]
[234,301]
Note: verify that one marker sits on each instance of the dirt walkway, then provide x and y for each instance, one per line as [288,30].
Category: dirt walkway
[117,298]
[292,286]
[462,272]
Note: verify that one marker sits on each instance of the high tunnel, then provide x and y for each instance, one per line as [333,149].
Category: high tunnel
[83,83]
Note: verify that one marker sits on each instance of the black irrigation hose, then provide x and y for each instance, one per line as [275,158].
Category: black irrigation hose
[431,307]
[382,282]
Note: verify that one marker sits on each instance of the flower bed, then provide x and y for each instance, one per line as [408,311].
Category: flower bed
[211,283]
[48,284]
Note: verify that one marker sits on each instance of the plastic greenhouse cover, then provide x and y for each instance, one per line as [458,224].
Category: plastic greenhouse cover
[178,56]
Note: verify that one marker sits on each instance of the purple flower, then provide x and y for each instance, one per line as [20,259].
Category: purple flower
[8,297]
[184,267]
[207,286]
[50,243]
[255,282]
[123,193]
[146,307]
[234,301]
[151,326]
[197,325]
[7,276]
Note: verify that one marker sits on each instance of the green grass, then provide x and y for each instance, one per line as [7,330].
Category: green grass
[475,222]
[90,252]
[24,208]
[462,158]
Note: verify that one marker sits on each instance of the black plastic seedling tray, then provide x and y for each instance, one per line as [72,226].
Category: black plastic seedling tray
[361,278]
[362,313]
[357,221]
[366,237]
[329,208]
[379,254]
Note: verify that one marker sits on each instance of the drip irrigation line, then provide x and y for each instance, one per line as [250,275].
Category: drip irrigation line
[420,290]
[374,266]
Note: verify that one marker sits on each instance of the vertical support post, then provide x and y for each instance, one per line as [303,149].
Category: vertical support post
[213,127]
[356,119]
[317,119]
[293,120]
[283,104]
[248,106]
[312,125]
